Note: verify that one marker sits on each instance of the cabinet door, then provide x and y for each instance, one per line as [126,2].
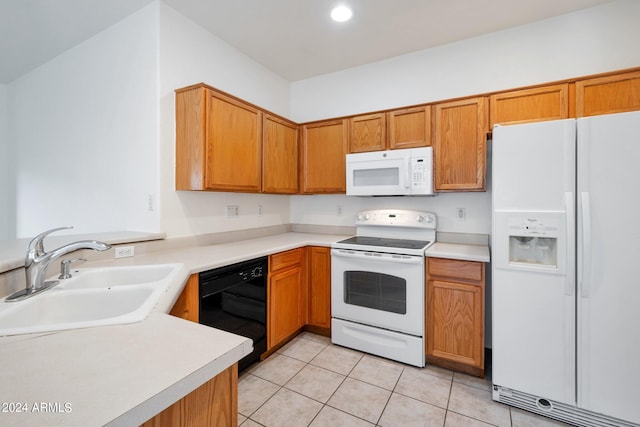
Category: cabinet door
[367,133]
[190,138]
[319,287]
[455,322]
[279,156]
[529,105]
[460,145]
[410,127]
[233,149]
[607,95]
[323,155]
[286,307]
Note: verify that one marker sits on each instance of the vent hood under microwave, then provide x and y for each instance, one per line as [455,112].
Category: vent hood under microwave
[407,172]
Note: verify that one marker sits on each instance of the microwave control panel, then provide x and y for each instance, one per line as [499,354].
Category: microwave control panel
[421,175]
[418,171]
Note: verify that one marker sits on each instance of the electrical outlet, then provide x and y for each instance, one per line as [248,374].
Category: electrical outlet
[339,210]
[231,211]
[259,209]
[461,214]
[124,251]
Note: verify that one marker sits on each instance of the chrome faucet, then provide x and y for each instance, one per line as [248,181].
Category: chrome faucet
[38,260]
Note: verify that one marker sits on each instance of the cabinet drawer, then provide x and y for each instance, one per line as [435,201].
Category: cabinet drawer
[285,259]
[468,270]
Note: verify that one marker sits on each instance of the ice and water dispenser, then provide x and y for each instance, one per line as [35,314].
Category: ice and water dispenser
[533,241]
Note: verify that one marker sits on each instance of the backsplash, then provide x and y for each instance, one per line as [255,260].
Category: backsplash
[14,280]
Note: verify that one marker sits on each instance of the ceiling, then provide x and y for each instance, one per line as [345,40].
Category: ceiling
[296,39]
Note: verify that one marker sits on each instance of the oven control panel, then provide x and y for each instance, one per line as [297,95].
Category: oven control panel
[397,217]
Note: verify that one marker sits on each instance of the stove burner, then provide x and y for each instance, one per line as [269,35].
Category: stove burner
[385,242]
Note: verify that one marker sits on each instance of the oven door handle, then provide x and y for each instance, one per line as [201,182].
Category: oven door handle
[377,256]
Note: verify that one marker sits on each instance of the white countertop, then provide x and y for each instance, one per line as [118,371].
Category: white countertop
[116,375]
[459,251]
[124,375]
[202,258]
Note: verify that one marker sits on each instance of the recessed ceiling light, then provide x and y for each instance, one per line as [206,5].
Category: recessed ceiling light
[341,13]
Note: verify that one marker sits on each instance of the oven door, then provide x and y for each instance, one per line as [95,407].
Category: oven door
[378,289]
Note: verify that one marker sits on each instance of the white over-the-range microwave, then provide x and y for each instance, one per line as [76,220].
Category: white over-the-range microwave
[407,172]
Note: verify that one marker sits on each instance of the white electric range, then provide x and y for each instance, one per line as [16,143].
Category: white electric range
[378,284]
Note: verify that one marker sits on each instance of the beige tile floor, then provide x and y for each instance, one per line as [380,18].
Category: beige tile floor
[311,382]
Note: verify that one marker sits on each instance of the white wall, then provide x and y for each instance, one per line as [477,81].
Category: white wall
[591,41]
[323,209]
[594,40]
[7,196]
[84,127]
[93,129]
[188,55]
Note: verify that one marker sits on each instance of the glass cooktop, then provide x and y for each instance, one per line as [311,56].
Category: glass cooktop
[386,242]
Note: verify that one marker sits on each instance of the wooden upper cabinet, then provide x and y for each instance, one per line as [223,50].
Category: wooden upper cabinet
[279,156]
[606,95]
[410,127]
[460,145]
[234,149]
[529,105]
[323,149]
[368,133]
[218,142]
[405,128]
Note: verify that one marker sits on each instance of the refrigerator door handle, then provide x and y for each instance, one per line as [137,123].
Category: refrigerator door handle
[570,282]
[585,248]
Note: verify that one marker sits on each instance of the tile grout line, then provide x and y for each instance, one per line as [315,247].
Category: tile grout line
[324,404]
[324,346]
[390,395]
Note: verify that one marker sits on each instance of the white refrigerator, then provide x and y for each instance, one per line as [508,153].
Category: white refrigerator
[566,268]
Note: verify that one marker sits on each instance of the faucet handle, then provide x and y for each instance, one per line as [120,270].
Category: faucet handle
[36,244]
[65,266]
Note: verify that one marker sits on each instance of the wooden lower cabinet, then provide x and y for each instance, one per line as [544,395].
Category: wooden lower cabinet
[188,304]
[213,404]
[455,315]
[319,290]
[286,296]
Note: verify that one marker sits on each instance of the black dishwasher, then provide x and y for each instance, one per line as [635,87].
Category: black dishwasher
[234,298]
